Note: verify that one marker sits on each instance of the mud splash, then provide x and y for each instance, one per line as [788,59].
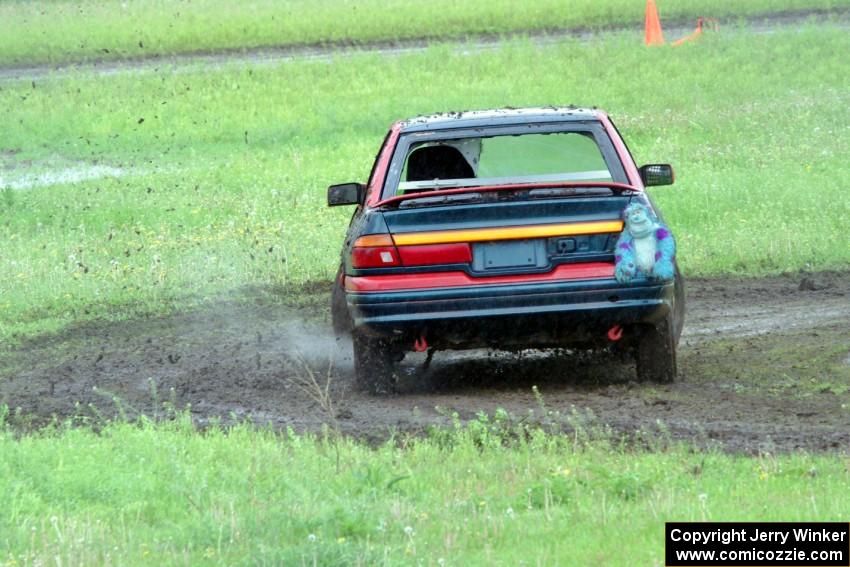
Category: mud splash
[762,367]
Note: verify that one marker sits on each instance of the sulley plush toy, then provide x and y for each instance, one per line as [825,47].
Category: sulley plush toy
[645,247]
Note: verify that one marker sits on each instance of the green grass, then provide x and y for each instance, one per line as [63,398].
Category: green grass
[218,175]
[62,31]
[491,492]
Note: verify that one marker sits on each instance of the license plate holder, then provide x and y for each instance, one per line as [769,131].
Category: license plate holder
[508,255]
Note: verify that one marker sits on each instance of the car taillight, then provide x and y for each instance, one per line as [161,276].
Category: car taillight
[430,254]
[374,251]
[380,251]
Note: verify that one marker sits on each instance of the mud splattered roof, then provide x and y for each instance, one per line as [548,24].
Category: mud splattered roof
[496,117]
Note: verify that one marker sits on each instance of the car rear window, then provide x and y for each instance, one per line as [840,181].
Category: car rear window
[495,160]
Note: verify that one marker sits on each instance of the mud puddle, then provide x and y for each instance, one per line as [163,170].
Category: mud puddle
[762,368]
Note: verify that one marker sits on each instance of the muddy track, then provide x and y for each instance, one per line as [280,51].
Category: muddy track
[764,365]
[325,51]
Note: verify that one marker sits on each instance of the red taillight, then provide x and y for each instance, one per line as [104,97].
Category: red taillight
[379,251]
[430,254]
[375,257]
[374,251]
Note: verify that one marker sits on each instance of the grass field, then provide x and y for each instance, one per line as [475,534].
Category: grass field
[62,31]
[162,189]
[140,193]
[492,492]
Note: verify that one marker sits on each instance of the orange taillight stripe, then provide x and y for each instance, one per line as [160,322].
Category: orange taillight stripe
[509,233]
[374,240]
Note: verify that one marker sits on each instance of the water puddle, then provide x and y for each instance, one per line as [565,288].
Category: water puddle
[58,176]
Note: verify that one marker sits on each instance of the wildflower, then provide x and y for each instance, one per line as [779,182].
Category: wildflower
[702,497]
[408,531]
[510,512]
[311,538]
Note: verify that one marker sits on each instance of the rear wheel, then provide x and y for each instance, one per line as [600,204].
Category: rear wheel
[656,352]
[374,363]
[678,306]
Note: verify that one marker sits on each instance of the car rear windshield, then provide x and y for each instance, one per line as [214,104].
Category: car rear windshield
[551,157]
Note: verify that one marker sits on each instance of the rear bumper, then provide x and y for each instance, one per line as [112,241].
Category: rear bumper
[531,314]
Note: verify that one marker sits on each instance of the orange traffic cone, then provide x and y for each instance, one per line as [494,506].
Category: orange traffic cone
[653,34]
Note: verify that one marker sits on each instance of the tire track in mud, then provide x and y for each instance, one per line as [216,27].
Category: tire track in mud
[743,339]
[716,308]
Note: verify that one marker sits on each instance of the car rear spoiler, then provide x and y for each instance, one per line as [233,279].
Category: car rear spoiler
[616,187]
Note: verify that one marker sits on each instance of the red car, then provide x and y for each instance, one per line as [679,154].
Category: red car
[500,229]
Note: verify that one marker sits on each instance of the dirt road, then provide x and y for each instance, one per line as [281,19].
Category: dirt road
[764,365]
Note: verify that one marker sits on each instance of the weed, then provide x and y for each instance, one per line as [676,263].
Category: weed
[8,198]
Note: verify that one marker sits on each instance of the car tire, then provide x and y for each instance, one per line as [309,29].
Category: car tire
[656,352]
[678,306]
[340,317]
[374,364]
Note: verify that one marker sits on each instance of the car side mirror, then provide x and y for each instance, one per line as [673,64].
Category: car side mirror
[346,194]
[657,174]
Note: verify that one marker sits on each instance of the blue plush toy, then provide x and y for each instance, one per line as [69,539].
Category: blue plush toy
[645,247]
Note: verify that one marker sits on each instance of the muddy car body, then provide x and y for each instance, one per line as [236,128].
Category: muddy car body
[498,229]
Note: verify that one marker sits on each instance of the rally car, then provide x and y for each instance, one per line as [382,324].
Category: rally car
[500,229]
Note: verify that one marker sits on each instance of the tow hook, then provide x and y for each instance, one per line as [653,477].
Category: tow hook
[615,333]
[420,344]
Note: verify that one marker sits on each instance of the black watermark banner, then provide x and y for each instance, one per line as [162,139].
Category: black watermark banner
[761,544]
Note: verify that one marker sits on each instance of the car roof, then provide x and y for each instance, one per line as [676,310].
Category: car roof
[497,117]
